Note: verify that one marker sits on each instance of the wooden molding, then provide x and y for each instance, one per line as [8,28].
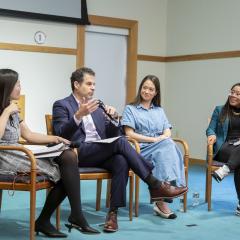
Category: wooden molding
[33,48]
[141,57]
[203,56]
[132,63]
[111,22]
[190,57]
[195,161]
[80,46]
[132,26]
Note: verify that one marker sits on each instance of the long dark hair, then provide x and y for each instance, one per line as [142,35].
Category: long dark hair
[8,79]
[226,110]
[157,99]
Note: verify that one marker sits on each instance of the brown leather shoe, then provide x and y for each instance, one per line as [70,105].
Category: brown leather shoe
[166,191]
[111,224]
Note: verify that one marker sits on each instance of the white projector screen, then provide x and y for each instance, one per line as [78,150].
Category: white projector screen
[74,11]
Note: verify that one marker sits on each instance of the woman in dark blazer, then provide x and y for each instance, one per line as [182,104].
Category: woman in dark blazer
[224,133]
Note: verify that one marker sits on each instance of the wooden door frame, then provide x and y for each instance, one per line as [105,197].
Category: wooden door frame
[132,41]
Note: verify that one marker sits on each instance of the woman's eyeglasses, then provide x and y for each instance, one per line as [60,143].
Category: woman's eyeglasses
[234,94]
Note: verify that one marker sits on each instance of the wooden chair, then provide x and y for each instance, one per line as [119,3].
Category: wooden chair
[100,174]
[210,168]
[31,183]
[185,147]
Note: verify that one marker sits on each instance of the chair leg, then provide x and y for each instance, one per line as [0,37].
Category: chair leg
[108,194]
[209,193]
[185,195]
[136,195]
[206,188]
[131,182]
[32,213]
[98,196]
[1,193]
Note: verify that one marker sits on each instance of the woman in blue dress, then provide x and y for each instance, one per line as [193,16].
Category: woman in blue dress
[144,120]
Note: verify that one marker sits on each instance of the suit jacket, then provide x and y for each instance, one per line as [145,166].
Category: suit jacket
[64,124]
[217,128]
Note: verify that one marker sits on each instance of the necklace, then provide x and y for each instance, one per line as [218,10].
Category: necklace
[236,113]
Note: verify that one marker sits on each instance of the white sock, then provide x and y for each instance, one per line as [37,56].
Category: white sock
[223,171]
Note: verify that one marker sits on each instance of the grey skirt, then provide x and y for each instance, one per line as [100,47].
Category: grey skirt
[13,162]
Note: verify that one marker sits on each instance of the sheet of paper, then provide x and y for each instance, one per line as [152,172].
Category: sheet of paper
[40,149]
[107,140]
[47,155]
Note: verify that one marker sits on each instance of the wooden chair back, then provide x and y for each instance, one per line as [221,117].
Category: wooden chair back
[21,103]
[48,120]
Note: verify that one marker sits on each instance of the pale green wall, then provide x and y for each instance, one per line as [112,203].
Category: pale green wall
[194,88]
[174,27]
[38,70]
[195,26]
[150,14]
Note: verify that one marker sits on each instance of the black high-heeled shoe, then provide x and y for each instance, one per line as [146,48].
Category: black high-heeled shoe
[84,229]
[49,230]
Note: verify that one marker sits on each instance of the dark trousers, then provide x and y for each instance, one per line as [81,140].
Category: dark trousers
[117,157]
[230,155]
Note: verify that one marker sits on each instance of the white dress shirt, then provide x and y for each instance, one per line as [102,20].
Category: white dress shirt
[90,128]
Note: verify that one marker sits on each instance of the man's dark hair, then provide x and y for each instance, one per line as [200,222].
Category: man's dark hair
[79,74]
[8,79]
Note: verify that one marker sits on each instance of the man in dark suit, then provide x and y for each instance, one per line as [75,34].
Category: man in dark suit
[79,118]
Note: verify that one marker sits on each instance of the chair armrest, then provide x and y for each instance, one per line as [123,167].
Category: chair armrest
[184,144]
[29,154]
[209,154]
[185,148]
[135,143]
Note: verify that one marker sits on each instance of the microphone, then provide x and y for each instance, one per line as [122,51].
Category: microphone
[103,107]
[11,121]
